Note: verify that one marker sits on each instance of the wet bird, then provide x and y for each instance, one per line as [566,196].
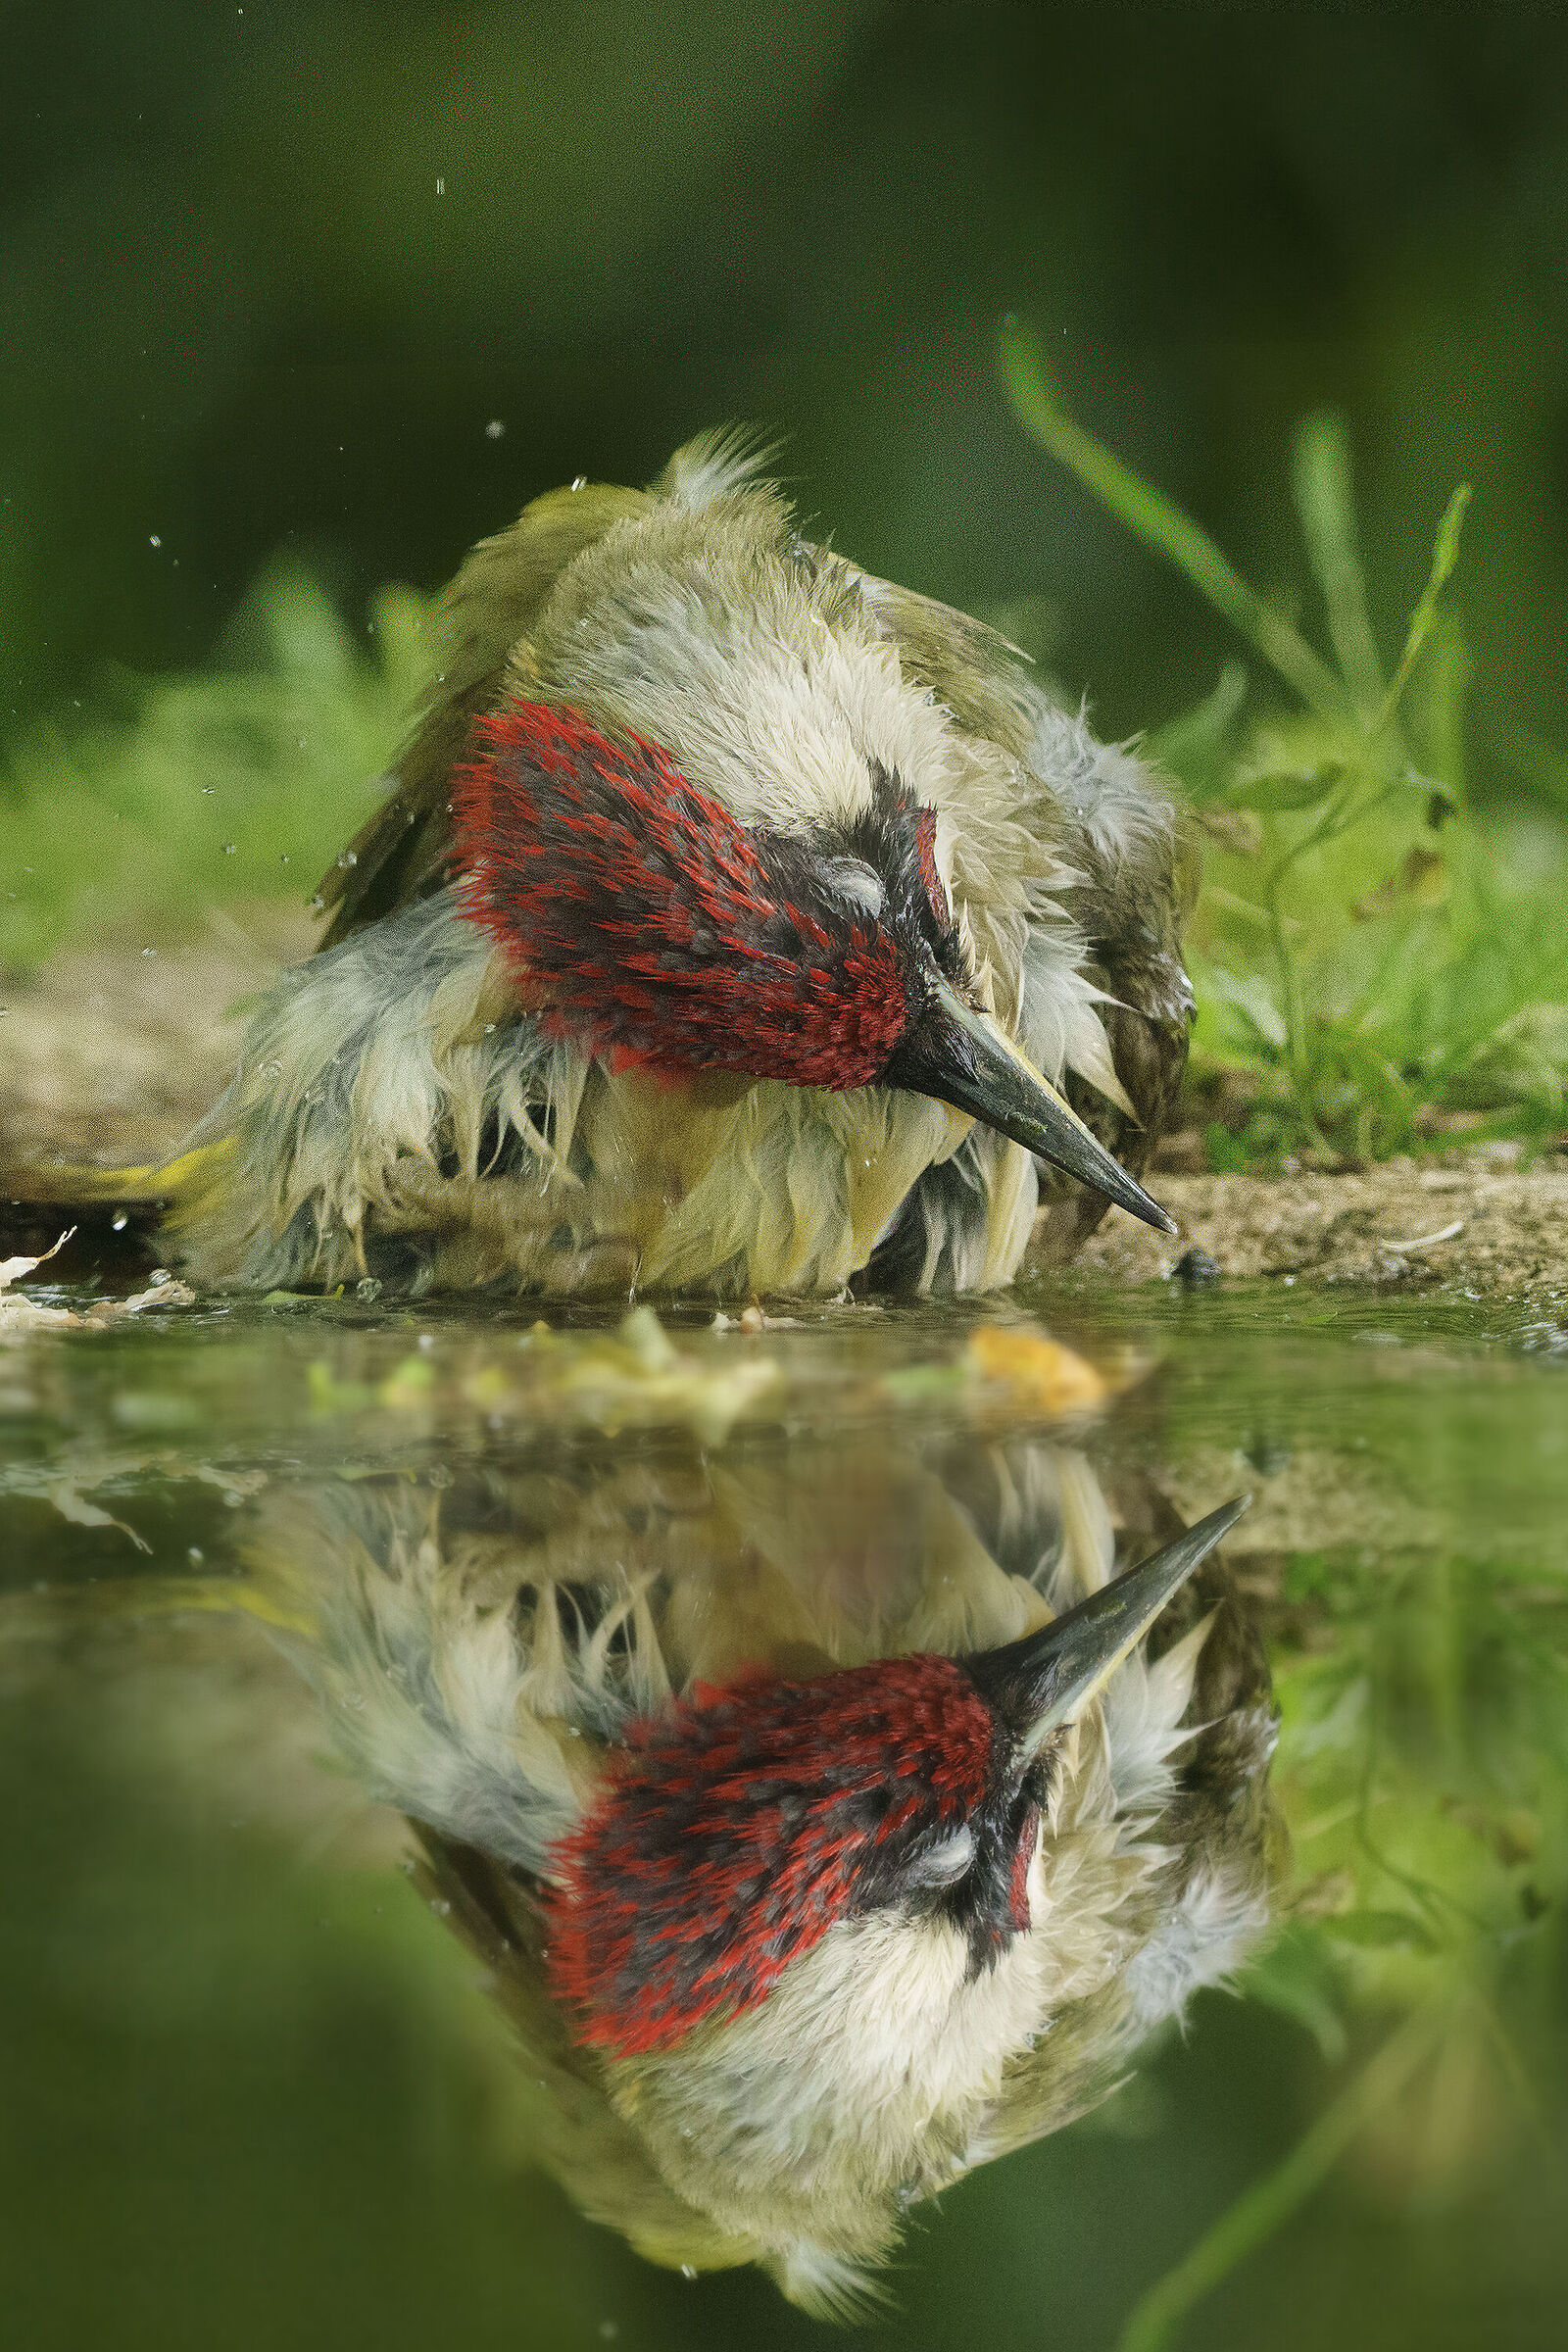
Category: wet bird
[738,922]
[821,1838]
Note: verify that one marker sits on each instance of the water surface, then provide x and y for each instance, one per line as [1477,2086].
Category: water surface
[254,2091]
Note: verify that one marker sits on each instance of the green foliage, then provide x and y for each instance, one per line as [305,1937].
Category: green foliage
[241,782]
[1367,950]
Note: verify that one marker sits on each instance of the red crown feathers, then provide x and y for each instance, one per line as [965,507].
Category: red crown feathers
[734,1831]
[650,926]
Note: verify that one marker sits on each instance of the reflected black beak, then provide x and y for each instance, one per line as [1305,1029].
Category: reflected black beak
[1043,1682]
[959,1056]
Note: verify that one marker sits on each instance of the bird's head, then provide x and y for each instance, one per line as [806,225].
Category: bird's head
[648,925]
[737,1827]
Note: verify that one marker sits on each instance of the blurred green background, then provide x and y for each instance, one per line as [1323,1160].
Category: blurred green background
[269,273]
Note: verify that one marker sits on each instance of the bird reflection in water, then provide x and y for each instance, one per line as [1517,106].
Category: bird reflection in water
[825,1830]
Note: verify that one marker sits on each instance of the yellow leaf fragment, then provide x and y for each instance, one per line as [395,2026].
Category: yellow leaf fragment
[1042,1376]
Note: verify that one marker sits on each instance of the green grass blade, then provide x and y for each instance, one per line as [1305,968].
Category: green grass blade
[1439,724]
[1159,522]
[1321,480]
[1260,2210]
[1444,556]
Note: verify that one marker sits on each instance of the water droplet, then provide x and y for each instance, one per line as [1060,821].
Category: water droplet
[208,791]
[495,428]
[440,1906]
[440,187]
[316,902]
[348,858]
[368,1290]
[195,1555]
[229,847]
[118,1221]
[149,951]
[688,2270]
[578,480]
[282,858]
[153,539]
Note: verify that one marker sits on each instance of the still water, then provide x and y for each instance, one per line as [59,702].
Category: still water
[278,2075]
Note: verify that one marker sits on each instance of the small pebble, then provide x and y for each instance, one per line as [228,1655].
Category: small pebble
[1195,1270]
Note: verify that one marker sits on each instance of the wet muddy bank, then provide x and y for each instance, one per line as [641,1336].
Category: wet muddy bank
[1470,1225]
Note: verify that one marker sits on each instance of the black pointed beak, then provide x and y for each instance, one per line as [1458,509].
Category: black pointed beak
[958,1055]
[1043,1683]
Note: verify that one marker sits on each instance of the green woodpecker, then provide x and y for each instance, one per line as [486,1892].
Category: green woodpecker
[821,1837]
[739,922]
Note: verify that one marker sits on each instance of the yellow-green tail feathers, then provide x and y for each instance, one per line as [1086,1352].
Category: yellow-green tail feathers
[187,1184]
[176,1197]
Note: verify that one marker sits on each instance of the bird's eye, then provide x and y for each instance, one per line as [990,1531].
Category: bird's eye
[945,1863]
[851,878]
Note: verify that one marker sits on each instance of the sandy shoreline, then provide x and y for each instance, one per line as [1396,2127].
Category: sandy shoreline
[1469,1225]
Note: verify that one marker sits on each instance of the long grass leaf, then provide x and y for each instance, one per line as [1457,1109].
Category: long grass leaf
[1444,556]
[1321,480]
[1160,522]
[1261,2209]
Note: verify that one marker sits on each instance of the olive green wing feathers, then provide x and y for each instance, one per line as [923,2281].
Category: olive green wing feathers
[480,634]
[480,626]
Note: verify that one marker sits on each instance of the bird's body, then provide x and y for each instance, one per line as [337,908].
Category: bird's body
[706,1768]
[628,982]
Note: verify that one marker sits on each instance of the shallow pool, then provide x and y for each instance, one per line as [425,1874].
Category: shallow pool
[258,2091]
